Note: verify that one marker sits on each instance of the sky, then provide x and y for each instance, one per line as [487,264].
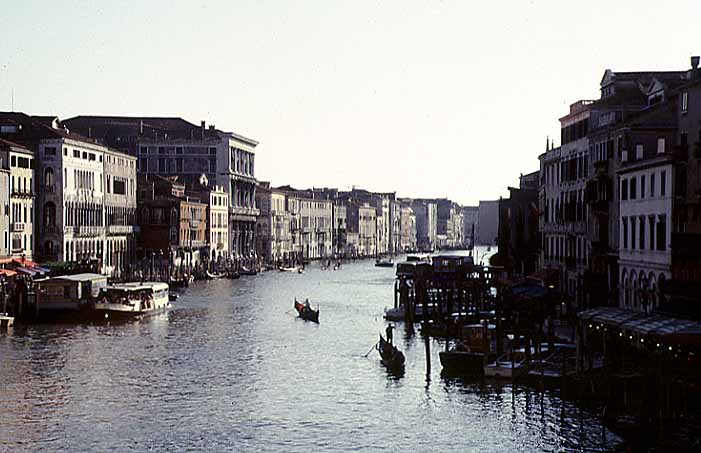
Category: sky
[424,98]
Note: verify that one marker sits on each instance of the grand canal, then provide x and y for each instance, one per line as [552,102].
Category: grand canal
[230,369]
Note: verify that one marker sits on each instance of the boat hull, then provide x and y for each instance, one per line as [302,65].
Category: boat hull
[307,314]
[463,361]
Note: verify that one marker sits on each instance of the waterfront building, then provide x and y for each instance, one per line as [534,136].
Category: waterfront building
[175,147]
[340,229]
[173,228]
[120,212]
[19,233]
[624,95]
[488,222]
[564,172]
[217,201]
[519,237]
[470,216]
[5,247]
[395,226]
[362,228]
[408,228]
[273,227]
[426,224]
[682,293]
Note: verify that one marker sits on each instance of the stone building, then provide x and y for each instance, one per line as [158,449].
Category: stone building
[611,143]
[120,212]
[19,161]
[175,147]
[407,235]
[426,224]
[682,292]
[488,222]
[273,228]
[173,226]
[470,216]
[563,177]
[5,247]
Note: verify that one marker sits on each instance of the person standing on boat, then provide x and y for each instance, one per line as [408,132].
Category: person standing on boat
[390,334]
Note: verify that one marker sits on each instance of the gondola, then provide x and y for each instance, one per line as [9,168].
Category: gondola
[307,313]
[391,357]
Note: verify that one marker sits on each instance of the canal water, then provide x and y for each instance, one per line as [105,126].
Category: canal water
[229,369]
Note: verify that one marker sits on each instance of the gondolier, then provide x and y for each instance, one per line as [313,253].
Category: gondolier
[390,335]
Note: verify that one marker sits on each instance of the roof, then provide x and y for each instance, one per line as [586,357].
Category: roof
[78,277]
[639,323]
[16,146]
[138,286]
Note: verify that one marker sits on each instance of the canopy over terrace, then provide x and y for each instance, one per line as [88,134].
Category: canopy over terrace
[666,328]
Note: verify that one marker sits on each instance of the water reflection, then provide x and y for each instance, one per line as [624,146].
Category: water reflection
[229,369]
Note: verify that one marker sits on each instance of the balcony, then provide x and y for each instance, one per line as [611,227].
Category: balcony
[87,231]
[49,189]
[49,229]
[122,229]
[244,211]
[22,194]
[17,227]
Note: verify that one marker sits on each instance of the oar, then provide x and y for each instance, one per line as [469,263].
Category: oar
[371,349]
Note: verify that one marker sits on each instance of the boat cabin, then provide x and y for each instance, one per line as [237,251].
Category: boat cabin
[68,292]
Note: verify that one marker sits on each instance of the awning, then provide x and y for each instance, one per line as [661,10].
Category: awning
[639,323]
[7,272]
[24,270]
[41,270]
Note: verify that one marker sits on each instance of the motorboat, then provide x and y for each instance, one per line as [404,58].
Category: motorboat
[130,300]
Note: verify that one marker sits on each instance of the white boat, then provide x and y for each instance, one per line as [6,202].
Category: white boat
[507,366]
[129,300]
[291,269]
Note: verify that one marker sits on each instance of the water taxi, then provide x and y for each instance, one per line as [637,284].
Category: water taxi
[130,300]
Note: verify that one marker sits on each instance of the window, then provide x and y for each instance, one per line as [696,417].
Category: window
[212,150]
[685,102]
[179,164]
[161,165]
[660,145]
[639,151]
[652,232]
[49,178]
[119,187]
[652,185]
[663,183]
[91,156]
[85,155]
[633,188]
[50,151]
[162,150]
[625,232]
[76,153]
[179,150]
[632,233]
[662,233]
[642,233]
[13,161]
[143,150]
[642,186]
[65,151]
[624,189]
[143,164]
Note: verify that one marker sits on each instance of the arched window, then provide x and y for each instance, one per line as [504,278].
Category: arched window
[49,214]
[49,177]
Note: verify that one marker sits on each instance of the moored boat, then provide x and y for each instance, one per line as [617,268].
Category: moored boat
[306,312]
[471,355]
[246,271]
[391,357]
[384,262]
[130,300]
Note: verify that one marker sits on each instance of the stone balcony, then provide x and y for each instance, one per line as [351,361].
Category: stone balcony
[121,229]
[244,211]
[17,227]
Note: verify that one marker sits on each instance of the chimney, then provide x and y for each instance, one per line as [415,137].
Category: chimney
[695,62]
[211,127]
[202,128]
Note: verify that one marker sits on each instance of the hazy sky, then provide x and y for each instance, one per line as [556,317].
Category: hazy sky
[449,98]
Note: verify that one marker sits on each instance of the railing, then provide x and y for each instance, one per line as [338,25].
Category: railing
[49,229]
[89,231]
[50,189]
[17,227]
[122,229]
[241,210]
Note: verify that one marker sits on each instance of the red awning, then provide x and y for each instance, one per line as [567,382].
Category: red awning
[7,272]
